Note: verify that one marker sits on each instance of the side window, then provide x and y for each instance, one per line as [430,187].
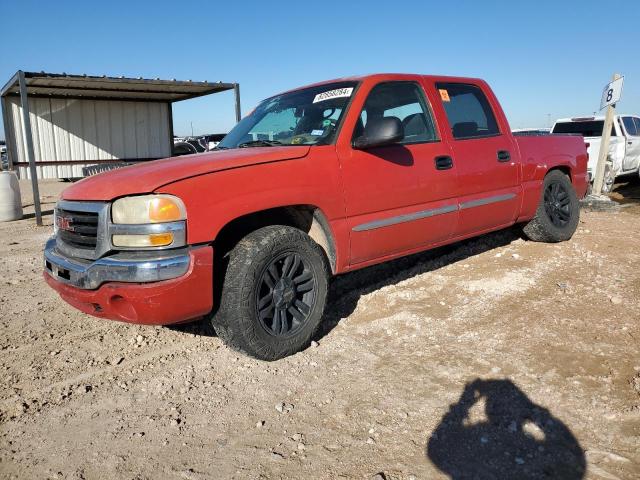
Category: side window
[630,126]
[468,111]
[405,101]
[637,122]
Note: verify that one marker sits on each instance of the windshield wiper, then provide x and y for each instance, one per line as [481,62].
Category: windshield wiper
[259,143]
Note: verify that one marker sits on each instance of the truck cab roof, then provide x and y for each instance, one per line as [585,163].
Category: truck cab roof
[390,76]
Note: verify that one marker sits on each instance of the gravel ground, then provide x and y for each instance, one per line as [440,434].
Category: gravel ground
[493,358]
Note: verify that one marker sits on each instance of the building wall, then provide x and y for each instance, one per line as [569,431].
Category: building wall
[85,131]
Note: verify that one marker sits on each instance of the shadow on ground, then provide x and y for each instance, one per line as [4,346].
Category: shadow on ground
[345,290]
[625,195]
[33,215]
[495,431]
[626,190]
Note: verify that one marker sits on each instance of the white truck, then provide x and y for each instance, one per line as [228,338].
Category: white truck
[624,149]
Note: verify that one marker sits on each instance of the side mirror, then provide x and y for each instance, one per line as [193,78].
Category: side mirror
[379,132]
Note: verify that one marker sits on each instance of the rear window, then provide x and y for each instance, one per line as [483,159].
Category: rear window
[591,128]
[468,111]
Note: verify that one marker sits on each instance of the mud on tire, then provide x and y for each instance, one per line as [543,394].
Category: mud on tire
[558,212]
[273,293]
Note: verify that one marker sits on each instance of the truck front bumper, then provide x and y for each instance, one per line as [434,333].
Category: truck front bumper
[149,288]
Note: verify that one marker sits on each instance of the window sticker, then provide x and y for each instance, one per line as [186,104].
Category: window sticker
[338,92]
[444,95]
[317,133]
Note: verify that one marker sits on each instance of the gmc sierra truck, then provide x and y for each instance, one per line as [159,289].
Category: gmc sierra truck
[314,182]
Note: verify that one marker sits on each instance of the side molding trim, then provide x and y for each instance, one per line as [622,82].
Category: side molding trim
[486,201]
[410,217]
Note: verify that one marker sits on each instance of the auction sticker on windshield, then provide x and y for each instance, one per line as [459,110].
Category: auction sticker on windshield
[338,92]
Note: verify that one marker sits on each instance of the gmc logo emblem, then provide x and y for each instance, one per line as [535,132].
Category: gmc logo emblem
[64,223]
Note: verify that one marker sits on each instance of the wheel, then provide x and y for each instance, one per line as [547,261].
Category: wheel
[558,213]
[273,293]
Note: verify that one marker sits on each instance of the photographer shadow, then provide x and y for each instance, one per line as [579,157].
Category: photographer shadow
[495,431]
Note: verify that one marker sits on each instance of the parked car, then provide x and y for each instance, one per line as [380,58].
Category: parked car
[213,139]
[191,145]
[353,172]
[624,150]
[188,145]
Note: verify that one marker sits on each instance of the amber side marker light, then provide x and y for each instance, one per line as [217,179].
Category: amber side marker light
[163,209]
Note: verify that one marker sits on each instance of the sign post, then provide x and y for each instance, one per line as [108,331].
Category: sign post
[610,96]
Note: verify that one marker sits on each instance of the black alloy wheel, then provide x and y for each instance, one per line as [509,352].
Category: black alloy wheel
[558,213]
[557,204]
[273,293]
[285,295]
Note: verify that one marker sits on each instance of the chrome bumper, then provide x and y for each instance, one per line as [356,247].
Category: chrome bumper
[131,267]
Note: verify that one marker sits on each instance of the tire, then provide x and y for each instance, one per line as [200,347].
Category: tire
[273,293]
[558,213]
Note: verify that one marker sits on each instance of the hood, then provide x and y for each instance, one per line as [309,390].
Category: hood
[149,176]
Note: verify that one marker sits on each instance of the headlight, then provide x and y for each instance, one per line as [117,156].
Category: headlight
[148,209]
[148,221]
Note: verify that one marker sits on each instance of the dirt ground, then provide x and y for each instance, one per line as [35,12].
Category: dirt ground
[493,358]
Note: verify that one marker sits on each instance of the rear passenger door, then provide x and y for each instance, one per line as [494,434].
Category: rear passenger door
[632,148]
[485,156]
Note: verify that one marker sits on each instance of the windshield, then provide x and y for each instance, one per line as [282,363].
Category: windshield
[591,128]
[303,117]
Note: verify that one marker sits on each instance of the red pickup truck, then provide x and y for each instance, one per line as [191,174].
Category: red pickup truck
[314,182]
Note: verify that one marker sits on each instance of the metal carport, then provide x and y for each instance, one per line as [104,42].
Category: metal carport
[56,124]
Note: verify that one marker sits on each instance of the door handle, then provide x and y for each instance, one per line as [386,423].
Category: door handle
[444,162]
[503,156]
[629,143]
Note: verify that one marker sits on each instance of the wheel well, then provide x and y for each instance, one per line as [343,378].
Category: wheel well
[307,218]
[564,169]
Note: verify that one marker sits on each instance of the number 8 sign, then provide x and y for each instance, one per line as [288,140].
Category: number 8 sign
[612,93]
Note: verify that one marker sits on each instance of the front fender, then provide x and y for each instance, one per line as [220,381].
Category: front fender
[214,200]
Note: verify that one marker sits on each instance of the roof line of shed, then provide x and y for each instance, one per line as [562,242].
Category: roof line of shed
[186,88]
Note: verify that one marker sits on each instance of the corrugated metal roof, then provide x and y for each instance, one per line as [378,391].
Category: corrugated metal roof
[84,86]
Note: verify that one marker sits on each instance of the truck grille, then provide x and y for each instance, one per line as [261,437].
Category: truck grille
[78,229]
[81,229]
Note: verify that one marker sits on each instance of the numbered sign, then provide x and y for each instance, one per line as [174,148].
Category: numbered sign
[611,93]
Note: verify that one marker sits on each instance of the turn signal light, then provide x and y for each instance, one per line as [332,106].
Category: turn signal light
[161,239]
[150,240]
[164,209]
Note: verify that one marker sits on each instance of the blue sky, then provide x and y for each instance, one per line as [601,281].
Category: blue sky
[544,59]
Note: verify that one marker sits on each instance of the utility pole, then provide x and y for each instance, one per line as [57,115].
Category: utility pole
[608,95]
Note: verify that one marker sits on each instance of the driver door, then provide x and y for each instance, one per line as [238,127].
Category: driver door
[398,197]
